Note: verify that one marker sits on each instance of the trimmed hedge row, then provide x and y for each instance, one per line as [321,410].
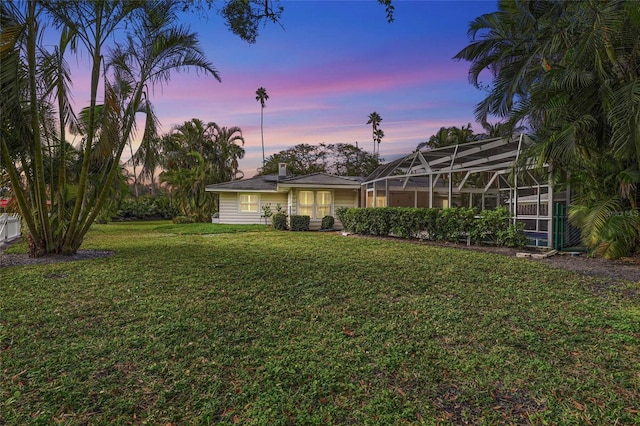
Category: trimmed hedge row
[452,224]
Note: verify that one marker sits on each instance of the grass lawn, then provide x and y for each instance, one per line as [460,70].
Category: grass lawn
[199,324]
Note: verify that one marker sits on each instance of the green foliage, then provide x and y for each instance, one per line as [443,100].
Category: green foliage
[266,213]
[577,92]
[338,159]
[300,222]
[454,224]
[61,188]
[311,328]
[327,222]
[180,219]
[512,236]
[279,221]
[198,154]
[146,208]
[607,228]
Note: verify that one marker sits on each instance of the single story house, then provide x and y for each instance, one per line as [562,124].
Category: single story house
[315,195]
[484,174]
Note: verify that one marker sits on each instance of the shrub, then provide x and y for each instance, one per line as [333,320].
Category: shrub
[327,222]
[300,223]
[512,236]
[452,224]
[279,221]
[184,219]
[146,208]
[489,224]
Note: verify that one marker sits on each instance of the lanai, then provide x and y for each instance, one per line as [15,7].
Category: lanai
[479,174]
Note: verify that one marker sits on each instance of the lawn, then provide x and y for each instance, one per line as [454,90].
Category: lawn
[200,324]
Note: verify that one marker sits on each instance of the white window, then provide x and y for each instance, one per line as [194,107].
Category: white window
[316,205]
[323,204]
[248,203]
[305,203]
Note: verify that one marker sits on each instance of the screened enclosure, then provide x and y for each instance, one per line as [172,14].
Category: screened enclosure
[483,174]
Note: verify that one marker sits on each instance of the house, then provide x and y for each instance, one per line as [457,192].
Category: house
[315,195]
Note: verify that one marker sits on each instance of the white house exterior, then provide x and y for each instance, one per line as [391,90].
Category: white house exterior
[315,195]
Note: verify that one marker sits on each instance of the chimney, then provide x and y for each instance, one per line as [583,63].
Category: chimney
[282,169]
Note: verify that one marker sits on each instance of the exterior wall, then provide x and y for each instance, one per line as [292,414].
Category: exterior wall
[341,198]
[230,209]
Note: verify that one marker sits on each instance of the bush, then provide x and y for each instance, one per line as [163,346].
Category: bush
[452,224]
[279,221]
[147,208]
[300,223]
[512,236]
[327,222]
[184,219]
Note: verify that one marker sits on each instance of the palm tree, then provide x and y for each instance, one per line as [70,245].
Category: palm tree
[569,71]
[378,134]
[262,97]
[198,154]
[155,47]
[228,145]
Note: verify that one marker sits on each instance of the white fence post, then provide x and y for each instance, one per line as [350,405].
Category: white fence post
[9,227]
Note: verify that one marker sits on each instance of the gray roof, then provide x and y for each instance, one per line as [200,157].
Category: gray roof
[275,183]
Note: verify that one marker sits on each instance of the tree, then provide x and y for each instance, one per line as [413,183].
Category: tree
[244,17]
[155,46]
[378,134]
[262,97]
[447,136]
[339,159]
[569,71]
[349,160]
[198,154]
[300,159]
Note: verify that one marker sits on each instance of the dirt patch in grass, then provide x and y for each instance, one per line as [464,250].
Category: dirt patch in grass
[7,260]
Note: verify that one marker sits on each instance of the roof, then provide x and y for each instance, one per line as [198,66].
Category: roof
[320,180]
[275,183]
[485,155]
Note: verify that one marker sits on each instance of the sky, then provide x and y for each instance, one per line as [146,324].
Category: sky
[325,69]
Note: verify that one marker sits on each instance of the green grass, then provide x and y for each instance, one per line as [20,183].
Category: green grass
[309,328]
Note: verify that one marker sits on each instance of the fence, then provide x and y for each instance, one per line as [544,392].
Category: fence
[9,227]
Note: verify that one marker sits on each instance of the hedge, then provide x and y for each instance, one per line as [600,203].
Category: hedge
[453,224]
[299,223]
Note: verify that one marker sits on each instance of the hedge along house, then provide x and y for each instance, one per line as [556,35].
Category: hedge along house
[479,174]
[315,195]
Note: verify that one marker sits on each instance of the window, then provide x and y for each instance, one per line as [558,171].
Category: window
[316,205]
[323,204]
[249,203]
[305,203]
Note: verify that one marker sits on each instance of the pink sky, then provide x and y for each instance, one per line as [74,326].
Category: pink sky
[333,64]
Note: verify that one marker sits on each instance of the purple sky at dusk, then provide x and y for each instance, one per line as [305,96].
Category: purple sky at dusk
[332,64]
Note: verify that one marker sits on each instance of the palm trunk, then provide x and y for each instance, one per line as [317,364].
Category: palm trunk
[42,239]
[262,134]
[71,237]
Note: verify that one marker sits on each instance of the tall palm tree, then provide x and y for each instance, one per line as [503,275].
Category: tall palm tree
[378,134]
[262,97]
[570,71]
